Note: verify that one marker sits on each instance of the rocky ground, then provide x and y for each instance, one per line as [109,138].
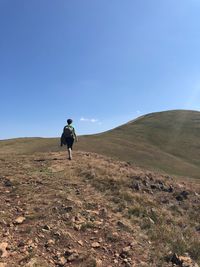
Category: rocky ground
[93,211]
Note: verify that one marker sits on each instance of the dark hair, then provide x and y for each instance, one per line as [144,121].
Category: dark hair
[69,121]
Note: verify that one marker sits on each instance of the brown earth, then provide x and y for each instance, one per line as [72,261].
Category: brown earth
[94,211]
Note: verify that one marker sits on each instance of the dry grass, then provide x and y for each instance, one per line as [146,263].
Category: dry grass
[49,190]
[164,141]
[170,226]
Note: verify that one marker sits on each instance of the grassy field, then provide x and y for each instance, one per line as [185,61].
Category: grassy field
[165,141]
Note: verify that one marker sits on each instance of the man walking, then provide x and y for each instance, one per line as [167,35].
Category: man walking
[68,137]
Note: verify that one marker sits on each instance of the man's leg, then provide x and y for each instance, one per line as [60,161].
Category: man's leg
[70,153]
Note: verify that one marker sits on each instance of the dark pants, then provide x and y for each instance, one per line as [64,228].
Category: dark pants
[69,142]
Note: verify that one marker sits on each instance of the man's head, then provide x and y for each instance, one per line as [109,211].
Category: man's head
[69,121]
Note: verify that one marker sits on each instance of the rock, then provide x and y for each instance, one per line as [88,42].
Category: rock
[183,261]
[98,263]
[66,217]
[73,257]
[126,249]
[133,244]
[97,223]
[41,235]
[20,220]
[198,228]
[150,220]
[8,183]
[69,252]
[93,261]
[160,182]
[57,235]
[21,243]
[124,226]
[36,240]
[62,261]
[80,242]
[7,233]
[77,227]
[50,243]
[3,250]
[170,189]
[126,252]
[187,262]
[149,191]
[145,183]
[3,264]
[179,198]
[126,263]
[39,160]
[46,228]
[182,196]
[164,200]
[154,186]
[68,209]
[78,192]
[136,186]
[78,220]
[95,245]
[36,262]
[136,177]
[175,259]
[18,209]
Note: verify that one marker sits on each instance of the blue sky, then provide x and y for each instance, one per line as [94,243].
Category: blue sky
[99,62]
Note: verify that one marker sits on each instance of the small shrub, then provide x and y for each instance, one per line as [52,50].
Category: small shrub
[137,211]
[110,237]
[194,250]
[87,225]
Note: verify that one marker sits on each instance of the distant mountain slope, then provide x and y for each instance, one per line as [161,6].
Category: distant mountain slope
[167,141]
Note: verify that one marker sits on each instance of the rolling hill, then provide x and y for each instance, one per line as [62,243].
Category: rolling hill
[166,141]
[99,211]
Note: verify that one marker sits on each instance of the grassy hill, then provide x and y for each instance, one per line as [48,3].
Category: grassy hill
[168,141]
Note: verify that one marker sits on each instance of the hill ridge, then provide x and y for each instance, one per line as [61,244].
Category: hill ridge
[166,141]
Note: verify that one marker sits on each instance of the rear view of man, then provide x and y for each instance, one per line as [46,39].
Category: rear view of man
[68,137]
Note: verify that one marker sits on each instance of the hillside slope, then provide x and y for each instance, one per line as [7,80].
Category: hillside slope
[166,141]
[94,211]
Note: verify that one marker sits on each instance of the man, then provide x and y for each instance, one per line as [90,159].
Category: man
[68,137]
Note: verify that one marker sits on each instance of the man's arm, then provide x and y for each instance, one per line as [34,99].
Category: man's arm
[61,138]
[76,138]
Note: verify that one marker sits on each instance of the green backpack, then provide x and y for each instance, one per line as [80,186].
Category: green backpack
[68,131]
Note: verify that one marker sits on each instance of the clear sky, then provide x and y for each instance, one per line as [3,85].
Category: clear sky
[100,62]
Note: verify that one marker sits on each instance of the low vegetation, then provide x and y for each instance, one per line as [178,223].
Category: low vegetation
[165,141]
[94,211]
